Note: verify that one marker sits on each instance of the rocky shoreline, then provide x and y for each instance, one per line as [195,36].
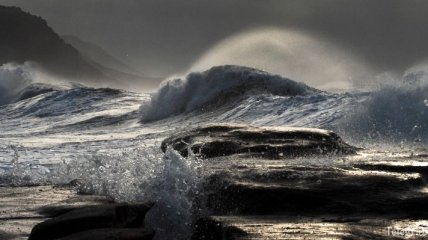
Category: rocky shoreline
[259,187]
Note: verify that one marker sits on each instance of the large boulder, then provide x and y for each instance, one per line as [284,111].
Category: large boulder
[87,218]
[207,228]
[112,234]
[224,140]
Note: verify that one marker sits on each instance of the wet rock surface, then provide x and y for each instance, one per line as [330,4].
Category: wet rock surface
[112,233]
[224,140]
[112,217]
[210,229]
[315,191]
[294,183]
[48,212]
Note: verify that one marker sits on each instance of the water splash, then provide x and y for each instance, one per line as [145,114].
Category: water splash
[20,172]
[396,112]
[144,174]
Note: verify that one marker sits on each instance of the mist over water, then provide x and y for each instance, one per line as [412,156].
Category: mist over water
[395,112]
[297,55]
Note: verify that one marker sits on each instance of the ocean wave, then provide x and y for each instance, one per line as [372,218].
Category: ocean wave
[33,90]
[13,79]
[316,110]
[218,85]
[64,102]
[22,81]
[396,112]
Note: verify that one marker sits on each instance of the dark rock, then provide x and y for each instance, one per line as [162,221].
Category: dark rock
[106,216]
[73,203]
[223,140]
[112,234]
[210,229]
[309,191]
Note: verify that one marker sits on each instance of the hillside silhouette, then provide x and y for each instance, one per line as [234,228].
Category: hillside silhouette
[26,37]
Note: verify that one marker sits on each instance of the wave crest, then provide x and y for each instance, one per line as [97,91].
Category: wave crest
[397,112]
[23,81]
[200,89]
[12,80]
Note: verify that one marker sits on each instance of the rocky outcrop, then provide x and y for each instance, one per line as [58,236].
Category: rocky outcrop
[297,183]
[224,140]
[120,221]
[207,228]
[314,191]
[109,234]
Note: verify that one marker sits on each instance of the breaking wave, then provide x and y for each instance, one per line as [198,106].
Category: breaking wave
[13,79]
[200,89]
[69,101]
[395,112]
[19,82]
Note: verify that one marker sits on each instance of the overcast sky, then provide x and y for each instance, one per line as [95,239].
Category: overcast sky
[162,37]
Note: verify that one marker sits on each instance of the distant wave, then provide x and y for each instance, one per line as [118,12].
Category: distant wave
[22,81]
[27,91]
[64,102]
[198,90]
[13,79]
[34,90]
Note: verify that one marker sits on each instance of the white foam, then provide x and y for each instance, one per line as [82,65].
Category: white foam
[143,174]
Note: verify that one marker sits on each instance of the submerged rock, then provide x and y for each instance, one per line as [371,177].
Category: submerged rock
[73,203]
[110,234]
[209,229]
[224,140]
[88,218]
[310,191]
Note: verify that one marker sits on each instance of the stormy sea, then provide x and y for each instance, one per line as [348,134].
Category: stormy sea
[231,152]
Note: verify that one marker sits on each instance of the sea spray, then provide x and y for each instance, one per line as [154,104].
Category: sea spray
[21,172]
[300,55]
[144,174]
[175,189]
[394,113]
[13,78]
